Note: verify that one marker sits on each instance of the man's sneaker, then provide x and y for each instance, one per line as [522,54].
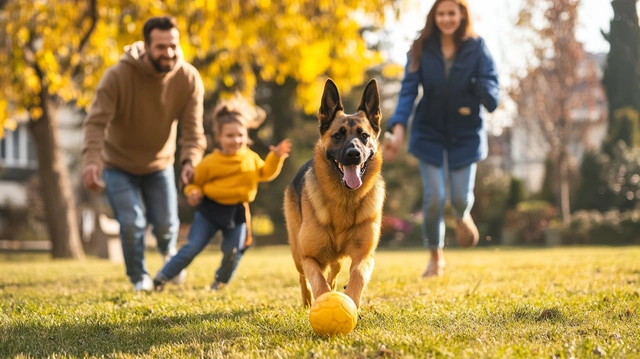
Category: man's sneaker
[467,232]
[145,284]
[182,276]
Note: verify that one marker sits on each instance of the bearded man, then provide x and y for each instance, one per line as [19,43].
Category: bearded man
[130,141]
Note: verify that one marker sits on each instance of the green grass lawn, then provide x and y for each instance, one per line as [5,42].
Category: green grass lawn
[491,303]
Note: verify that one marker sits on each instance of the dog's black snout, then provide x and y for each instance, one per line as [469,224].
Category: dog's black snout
[353,153]
[353,156]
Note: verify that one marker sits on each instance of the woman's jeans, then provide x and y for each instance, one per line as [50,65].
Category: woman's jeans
[461,184]
[140,199]
[201,232]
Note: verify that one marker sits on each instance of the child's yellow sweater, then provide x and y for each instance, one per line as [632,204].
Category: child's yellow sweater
[233,179]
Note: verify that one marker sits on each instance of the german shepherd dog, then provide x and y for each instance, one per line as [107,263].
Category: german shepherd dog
[333,207]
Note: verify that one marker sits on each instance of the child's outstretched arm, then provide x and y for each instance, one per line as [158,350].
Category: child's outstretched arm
[282,149]
[275,159]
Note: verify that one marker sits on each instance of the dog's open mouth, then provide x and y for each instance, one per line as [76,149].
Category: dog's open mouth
[351,175]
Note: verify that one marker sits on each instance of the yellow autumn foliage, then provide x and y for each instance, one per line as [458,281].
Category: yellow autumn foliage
[234,44]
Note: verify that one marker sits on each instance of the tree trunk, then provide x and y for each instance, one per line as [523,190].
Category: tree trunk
[59,202]
[563,174]
[282,115]
[98,237]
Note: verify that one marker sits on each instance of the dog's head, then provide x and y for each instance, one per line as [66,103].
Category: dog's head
[350,141]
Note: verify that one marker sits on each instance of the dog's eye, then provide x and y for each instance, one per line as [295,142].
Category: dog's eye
[337,136]
[364,136]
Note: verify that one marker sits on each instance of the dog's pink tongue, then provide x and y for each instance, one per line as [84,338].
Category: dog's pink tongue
[352,176]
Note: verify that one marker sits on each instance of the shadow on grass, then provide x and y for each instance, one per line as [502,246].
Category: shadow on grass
[42,284]
[528,313]
[133,337]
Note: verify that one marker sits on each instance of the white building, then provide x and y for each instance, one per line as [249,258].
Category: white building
[18,160]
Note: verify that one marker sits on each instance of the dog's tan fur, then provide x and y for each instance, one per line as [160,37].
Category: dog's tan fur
[326,220]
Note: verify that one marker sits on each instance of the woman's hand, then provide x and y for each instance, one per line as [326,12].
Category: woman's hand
[282,149]
[392,143]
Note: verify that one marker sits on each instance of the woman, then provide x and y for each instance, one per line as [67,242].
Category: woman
[457,74]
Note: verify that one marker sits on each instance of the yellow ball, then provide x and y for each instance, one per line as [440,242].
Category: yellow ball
[333,313]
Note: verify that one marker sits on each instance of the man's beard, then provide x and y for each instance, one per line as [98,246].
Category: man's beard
[162,68]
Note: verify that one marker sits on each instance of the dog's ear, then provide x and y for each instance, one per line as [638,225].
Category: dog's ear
[371,104]
[329,106]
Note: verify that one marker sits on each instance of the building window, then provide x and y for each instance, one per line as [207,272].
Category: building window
[17,150]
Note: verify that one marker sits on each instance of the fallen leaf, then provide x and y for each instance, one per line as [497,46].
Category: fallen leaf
[383,351]
[598,351]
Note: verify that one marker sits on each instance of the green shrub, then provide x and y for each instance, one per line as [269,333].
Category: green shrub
[531,219]
[582,223]
[611,227]
[609,182]
[517,192]
[630,223]
[592,191]
[492,193]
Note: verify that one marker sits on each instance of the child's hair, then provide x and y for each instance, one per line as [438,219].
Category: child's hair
[237,110]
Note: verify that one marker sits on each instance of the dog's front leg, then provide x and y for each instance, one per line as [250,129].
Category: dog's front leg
[315,275]
[359,275]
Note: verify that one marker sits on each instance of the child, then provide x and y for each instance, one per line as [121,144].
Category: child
[224,183]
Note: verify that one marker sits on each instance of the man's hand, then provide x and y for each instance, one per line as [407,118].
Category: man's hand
[194,198]
[392,144]
[282,149]
[91,178]
[187,173]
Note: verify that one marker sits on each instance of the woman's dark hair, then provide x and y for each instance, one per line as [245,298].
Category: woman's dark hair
[430,29]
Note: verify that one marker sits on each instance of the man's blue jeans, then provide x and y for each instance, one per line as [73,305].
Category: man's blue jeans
[138,200]
[201,232]
[461,185]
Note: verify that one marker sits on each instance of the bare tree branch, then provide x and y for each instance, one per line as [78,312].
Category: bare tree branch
[92,13]
[560,88]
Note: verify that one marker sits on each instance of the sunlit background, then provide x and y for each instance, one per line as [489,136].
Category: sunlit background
[549,179]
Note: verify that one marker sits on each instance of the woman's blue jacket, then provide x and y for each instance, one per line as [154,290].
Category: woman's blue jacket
[449,116]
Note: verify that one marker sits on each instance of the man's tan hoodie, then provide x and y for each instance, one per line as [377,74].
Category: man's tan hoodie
[132,122]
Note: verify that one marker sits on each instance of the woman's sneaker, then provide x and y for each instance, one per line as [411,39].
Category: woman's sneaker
[467,232]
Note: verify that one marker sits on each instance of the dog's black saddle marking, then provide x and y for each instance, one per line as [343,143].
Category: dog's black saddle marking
[298,181]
